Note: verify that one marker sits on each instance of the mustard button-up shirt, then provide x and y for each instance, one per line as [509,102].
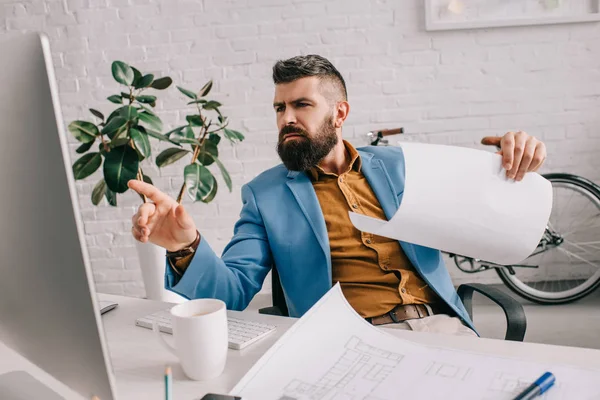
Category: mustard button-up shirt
[374,273]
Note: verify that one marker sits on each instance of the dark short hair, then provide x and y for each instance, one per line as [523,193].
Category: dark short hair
[285,71]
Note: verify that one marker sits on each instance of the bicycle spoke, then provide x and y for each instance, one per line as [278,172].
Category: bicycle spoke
[577,257]
[580,229]
[566,208]
[582,244]
[574,219]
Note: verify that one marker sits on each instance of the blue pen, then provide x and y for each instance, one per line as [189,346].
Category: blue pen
[537,388]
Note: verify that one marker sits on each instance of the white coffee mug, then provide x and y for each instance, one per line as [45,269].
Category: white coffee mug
[200,334]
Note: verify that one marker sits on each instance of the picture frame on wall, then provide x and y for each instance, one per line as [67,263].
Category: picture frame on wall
[473,14]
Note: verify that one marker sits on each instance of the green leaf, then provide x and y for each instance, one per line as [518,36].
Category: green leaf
[147,179]
[169,156]
[84,147]
[130,113]
[195,120]
[212,105]
[189,133]
[213,137]
[199,101]
[158,136]
[122,73]
[144,81]
[226,176]
[212,194]
[122,141]
[148,110]
[141,142]
[151,120]
[200,182]
[115,98]
[208,153]
[182,139]
[123,111]
[188,93]
[175,131]
[111,197]
[206,88]
[162,83]
[148,99]
[83,131]
[86,165]
[120,166]
[97,114]
[98,192]
[137,75]
[114,126]
[232,135]
[240,137]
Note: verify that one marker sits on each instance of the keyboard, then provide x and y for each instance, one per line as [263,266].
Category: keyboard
[242,333]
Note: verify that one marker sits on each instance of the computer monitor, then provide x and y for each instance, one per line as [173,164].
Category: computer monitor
[48,308]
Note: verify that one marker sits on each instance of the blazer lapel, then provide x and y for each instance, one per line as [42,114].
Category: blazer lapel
[305,195]
[374,170]
[377,176]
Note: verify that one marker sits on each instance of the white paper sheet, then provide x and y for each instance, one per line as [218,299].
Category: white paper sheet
[459,200]
[331,353]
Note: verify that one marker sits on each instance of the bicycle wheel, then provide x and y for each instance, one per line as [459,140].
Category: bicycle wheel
[569,268]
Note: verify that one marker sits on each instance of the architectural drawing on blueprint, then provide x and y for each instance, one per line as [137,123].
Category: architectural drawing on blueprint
[505,384]
[449,371]
[354,376]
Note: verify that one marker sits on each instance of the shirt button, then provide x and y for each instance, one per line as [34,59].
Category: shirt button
[354,205]
[403,290]
[368,241]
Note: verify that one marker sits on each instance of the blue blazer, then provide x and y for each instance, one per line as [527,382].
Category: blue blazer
[281,223]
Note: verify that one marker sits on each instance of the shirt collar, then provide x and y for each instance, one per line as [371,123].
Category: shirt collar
[355,164]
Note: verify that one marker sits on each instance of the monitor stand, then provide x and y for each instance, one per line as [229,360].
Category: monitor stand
[19,385]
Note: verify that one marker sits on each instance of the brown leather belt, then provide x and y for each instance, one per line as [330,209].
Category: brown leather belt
[403,312]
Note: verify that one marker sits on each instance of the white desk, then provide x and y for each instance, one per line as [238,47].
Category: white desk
[139,360]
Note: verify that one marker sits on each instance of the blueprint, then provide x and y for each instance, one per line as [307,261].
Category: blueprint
[331,353]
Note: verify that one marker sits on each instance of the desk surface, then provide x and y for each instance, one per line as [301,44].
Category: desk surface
[139,360]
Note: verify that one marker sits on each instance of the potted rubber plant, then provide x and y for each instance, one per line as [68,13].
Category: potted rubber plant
[123,143]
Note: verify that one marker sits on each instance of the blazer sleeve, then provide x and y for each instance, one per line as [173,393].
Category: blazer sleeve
[238,274]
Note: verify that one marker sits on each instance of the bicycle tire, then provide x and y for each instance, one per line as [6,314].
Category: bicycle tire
[590,189]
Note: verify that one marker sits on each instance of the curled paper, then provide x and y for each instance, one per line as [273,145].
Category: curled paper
[459,200]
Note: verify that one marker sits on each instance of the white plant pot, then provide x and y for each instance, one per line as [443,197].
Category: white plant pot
[153,263]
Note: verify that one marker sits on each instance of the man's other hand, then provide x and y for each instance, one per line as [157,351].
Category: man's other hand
[520,153]
[161,221]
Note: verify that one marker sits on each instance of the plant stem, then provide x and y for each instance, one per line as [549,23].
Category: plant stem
[202,136]
[106,147]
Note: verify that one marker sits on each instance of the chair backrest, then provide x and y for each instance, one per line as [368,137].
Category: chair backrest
[277,293]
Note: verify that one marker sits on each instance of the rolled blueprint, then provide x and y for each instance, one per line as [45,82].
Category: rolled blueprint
[459,200]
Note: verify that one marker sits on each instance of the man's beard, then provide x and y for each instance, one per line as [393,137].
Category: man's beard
[302,154]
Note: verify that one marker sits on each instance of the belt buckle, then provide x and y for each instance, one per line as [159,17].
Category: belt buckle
[393,315]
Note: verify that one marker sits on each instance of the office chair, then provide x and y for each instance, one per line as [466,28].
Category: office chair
[516,323]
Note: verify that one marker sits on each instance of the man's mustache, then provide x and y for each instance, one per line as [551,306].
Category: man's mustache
[289,129]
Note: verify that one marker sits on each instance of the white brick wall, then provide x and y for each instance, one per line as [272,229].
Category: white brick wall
[444,87]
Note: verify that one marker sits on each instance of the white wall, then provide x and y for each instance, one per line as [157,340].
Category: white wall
[445,87]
